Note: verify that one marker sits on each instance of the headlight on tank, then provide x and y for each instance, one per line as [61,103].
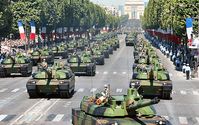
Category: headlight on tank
[167,86]
[33,82]
[31,85]
[135,84]
[132,85]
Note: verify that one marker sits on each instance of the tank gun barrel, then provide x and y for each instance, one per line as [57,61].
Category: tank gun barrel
[143,104]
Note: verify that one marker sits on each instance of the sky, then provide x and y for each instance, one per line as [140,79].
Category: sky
[115,3]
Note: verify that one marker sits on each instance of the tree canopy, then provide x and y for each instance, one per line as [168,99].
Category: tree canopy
[53,14]
[170,14]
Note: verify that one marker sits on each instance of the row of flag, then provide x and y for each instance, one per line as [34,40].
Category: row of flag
[33,31]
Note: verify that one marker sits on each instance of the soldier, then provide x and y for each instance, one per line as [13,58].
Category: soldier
[44,64]
[104,95]
[106,91]
[188,72]
[183,67]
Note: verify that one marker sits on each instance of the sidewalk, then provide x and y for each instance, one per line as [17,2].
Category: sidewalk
[171,67]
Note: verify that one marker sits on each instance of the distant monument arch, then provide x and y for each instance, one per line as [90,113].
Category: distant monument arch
[134,8]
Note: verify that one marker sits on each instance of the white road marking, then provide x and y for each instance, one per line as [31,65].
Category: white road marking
[58,118]
[195,93]
[67,104]
[93,89]
[123,73]
[80,90]
[3,90]
[119,90]
[105,73]
[47,109]
[16,120]
[197,119]
[15,90]
[183,120]
[166,117]
[183,92]
[114,73]
[2,117]
[97,72]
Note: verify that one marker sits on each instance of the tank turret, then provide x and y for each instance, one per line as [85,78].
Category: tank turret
[121,109]
[82,64]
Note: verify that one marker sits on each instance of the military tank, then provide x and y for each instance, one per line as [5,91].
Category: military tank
[98,56]
[60,51]
[129,41]
[37,56]
[16,64]
[71,46]
[58,79]
[136,56]
[153,83]
[108,47]
[106,109]
[82,64]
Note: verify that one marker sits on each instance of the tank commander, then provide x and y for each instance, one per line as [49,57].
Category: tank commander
[44,64]
[104,95]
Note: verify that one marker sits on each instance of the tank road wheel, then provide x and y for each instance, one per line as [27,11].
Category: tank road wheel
[166,95]
[32,94]
[2,73]
[26,74]
[66,94]
[91,73]
[102,62]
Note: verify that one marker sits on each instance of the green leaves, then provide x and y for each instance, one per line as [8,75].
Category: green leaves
[170,14]
[54,13]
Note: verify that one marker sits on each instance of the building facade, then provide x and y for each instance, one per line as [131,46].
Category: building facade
[111,10]
[134,8]
[121,10]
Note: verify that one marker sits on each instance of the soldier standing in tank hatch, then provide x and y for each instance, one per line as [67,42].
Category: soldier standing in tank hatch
[44,64]
[105,93]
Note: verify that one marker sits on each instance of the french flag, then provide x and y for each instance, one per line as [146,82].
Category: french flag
[189,27]
[21,30]
[43,32]
[33,30]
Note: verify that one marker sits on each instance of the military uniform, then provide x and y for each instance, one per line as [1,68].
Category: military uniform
[188,72]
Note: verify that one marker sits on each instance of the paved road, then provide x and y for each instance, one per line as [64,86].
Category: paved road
[17,108]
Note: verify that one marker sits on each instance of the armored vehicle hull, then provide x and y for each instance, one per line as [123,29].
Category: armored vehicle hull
[99,60]
[106,53]
[16,64]
[58,79]
[130,109]
[83,69]
[63,54]
[64,88]
[155,88]
[128,43]
[81,118]
[24,69]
